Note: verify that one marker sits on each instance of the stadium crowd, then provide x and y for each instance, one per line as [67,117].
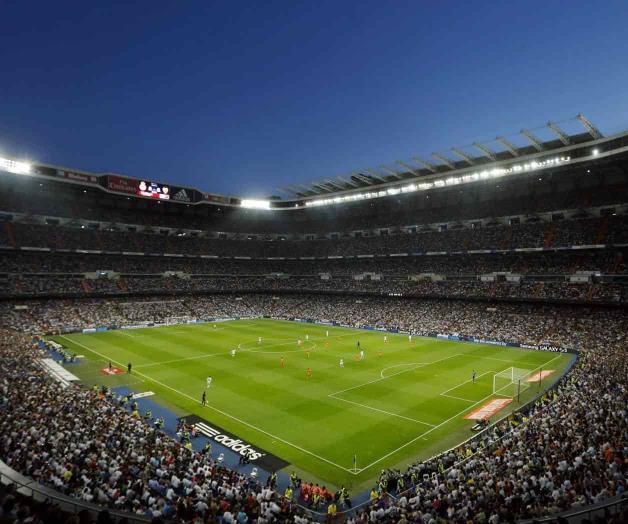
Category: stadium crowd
[87,445]
[606,261]
[611,230]
[568,451]
[592,290]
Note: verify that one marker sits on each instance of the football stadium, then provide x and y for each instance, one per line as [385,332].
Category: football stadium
[439,339]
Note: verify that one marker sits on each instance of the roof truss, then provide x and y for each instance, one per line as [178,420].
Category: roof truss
[444,160]
[467,158]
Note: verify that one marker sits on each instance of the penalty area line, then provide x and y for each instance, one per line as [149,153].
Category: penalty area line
[457,398]
[421,366]
[381,411]
[185,395]
[440,425]
[466,382]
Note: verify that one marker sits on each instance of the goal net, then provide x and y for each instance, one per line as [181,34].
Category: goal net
[510,382]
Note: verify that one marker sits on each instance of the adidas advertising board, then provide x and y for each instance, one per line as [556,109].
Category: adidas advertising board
[256,455]
[182,196]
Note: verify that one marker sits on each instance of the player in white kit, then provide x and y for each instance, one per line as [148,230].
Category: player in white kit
[209,382]
[342,363]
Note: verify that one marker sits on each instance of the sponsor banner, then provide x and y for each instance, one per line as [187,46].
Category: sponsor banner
[215,198]
[142,395]
[488,341]
[489,409]
[256,455]
[79,177]
[89,330]
[121,184]
[112,371]
[181,195]
[544,347]
[553,349]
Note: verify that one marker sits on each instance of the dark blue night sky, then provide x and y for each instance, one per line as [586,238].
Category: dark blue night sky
[243,97]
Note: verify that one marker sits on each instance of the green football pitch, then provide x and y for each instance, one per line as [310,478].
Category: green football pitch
[405,400]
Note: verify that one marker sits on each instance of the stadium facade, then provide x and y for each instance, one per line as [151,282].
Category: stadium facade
[523,245]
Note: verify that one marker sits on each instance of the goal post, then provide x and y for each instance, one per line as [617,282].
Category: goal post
[511,382]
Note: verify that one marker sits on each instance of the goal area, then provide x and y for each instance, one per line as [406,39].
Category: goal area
[511,382]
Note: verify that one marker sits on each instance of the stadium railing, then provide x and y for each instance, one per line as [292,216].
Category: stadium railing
[30,488]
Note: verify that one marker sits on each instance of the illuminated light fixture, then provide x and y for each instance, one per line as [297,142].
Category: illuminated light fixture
[596,152]
[13,166]
[255,204]
[450,181]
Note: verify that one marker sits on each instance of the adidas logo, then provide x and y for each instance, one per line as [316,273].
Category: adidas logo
[181,195]
[233,444]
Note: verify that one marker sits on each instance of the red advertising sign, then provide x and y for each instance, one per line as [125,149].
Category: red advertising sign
[122,185]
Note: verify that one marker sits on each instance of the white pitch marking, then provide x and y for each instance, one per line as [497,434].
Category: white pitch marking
[393,375]
[200,357]
[441,424]
[382,411]
[457,398]
[466,381]
[217,410]
[164,362]
[480,357]
[419,364]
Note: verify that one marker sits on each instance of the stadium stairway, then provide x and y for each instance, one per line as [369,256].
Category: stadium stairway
[602,231]
[8,228]
[550,232]
[506,239]
[99,240]
[121,283]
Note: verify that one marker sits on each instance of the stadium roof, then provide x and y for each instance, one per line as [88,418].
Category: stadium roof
[500,149]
